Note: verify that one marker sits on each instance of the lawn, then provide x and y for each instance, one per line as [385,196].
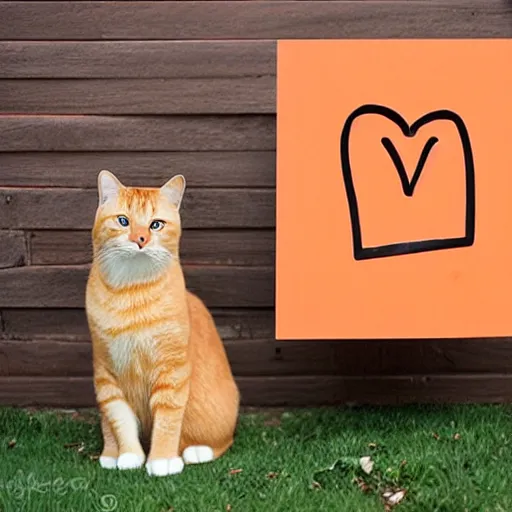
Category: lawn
[352,459]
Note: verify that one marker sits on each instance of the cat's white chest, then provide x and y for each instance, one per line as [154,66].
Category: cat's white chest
[125,350]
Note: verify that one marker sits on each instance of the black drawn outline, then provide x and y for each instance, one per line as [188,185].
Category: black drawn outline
[401,248]
[409,186]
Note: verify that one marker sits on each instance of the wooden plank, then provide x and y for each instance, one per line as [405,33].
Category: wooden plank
[243,169]
[289,391]
[45,358]
[71,324]
[125,133]
[75,208]
[198,247]
[253,95]
[343,357]
[47,287]
[254,20]
[13,249]
[137,59]
[374,390]
[49,357]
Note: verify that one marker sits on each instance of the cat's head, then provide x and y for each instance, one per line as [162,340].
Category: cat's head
[136,231]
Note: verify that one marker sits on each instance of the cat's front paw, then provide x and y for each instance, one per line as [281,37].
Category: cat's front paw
[129,460]
[108,462]
[164,467]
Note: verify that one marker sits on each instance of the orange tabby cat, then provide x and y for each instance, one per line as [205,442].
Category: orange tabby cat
[160,369]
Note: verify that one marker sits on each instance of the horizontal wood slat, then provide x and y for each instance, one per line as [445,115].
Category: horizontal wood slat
[71,324]
[270,357]
[47,357]
[156,133]
[198,247]
[254,95]
[254,20]
[289,391]
[75,208]
[137,59]
[153,169]
[13,249]
[47,287]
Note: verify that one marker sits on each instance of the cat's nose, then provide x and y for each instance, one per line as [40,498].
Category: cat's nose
[140,239]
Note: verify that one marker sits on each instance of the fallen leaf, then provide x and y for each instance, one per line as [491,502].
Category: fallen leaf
[366,464]
[436,436]
[394,498]
[372,445]
[272,475]
[362,485]
[11,443]
[235,471]
[316,485]
[403,463]
[94,456]
[456,437]
[228,507]
[80,447]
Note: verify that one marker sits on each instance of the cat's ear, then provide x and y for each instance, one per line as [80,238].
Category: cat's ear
[174,189]
[108,186]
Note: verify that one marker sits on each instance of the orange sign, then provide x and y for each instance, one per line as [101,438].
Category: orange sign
[394,189]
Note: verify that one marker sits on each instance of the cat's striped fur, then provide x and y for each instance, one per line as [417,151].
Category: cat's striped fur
[160,369]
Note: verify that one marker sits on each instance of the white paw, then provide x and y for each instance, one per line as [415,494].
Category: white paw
[197,454]
[164,467]
[129,461]
[108,462]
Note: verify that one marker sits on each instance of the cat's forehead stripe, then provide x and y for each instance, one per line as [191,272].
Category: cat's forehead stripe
[141,200]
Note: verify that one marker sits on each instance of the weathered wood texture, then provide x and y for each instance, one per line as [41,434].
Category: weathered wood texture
[74,208]
[150,89]
[198,247]
[252,348]
[104,133]
[266,357]
[267,19]
[242,169]
[64,286]
[290,391]
[71,324]
[253,95]
[137,59]
[13,249]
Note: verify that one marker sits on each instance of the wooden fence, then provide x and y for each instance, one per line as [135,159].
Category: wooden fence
[148,89]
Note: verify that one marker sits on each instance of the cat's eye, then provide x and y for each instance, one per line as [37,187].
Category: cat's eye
[123,221]
[157,225]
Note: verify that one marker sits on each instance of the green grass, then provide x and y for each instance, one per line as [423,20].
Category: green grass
[445,458]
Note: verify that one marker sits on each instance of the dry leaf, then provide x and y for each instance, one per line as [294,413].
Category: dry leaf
[372,445]
[436,436]
[235,471]
[456,437]
[366,464]
[394,498]
[94,456]
[362,485]
[316,485]
[80,447]
[228,507]
[403,463]
[272,475]
[11,443]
